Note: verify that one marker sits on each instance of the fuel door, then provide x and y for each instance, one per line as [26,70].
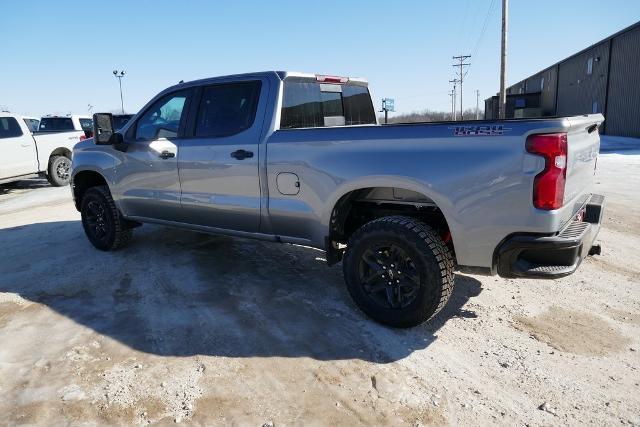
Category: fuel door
[288,183]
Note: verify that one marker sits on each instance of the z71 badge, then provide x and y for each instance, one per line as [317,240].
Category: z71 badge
[479,130]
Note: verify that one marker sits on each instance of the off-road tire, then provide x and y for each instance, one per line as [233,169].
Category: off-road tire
[431,261]
[59,171]
[98,207]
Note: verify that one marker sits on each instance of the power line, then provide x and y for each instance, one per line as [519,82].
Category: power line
[485,24]
[461,75]
[462,22]
[484,27]
[471,29]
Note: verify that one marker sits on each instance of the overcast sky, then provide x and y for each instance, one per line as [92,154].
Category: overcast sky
[58,56]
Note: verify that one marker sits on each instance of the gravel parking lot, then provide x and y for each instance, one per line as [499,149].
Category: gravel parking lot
[187,327]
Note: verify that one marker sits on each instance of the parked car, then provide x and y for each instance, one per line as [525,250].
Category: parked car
[27,153]
[119,120]
[68,123]
[300,158]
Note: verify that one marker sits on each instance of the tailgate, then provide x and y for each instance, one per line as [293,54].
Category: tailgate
[583,145]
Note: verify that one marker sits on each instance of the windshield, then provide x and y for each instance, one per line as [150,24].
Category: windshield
[55,124]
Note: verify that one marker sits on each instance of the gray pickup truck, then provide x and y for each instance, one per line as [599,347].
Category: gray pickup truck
[300,158]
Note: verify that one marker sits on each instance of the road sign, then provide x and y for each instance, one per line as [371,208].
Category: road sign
[388,104]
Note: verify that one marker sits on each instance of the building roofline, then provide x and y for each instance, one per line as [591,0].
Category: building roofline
[591,46]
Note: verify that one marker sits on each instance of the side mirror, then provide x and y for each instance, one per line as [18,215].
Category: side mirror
[102,128]
[103,132]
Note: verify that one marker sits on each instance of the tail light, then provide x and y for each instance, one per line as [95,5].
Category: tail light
[331,79]
[548,185]
[83,137]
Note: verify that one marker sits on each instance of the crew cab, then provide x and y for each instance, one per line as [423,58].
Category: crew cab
[300,158]
[27,153]
[68,123]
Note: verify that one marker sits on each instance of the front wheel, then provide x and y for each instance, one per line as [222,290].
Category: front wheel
[398,271]
[59,171]
[101,220]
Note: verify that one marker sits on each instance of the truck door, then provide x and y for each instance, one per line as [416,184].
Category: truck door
[19,156]
[219,163]
[147,172]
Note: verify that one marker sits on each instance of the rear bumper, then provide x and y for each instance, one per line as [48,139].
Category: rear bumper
[550,257]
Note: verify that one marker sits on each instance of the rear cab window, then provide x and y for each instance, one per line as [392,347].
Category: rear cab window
[56,124]
[307,103]
[9,128]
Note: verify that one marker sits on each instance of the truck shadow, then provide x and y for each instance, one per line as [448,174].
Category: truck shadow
[177,293]
[25,184]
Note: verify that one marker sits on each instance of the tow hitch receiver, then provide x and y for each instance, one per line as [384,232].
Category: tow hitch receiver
[595,250]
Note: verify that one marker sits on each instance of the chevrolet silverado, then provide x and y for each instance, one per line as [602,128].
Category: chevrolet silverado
[300,158]
[28,153]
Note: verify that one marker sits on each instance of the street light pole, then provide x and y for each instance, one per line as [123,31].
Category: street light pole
[119,75]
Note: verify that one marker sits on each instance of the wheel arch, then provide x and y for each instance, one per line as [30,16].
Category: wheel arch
[60,151]
[374,197]
[82,181]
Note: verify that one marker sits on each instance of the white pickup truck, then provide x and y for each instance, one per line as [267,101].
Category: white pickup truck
[46,152]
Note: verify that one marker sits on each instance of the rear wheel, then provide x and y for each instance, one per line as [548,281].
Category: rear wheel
[59,171]
[398,271]
[101,220]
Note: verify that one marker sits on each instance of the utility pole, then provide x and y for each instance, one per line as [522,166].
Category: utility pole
[461,76]
[477,104]
[502,102]
[119,75]
[453,107]
[452,94]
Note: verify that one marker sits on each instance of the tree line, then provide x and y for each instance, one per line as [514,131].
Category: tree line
[430,116]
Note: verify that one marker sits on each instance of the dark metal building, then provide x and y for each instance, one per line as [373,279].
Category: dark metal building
[603,78]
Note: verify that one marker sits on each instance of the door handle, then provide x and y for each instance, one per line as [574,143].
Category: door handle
[167,155]
[242,154]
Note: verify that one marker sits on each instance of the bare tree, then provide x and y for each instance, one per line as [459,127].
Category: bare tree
[428,116]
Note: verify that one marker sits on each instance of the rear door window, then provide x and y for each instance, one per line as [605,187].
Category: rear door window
[9,128]
[55,124]
[311,104]
[227,109]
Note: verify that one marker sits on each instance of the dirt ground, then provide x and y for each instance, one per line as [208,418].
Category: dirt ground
[205,330]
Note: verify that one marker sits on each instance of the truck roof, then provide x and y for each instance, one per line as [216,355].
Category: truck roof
[76,116]
[282,75]
[20,116]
